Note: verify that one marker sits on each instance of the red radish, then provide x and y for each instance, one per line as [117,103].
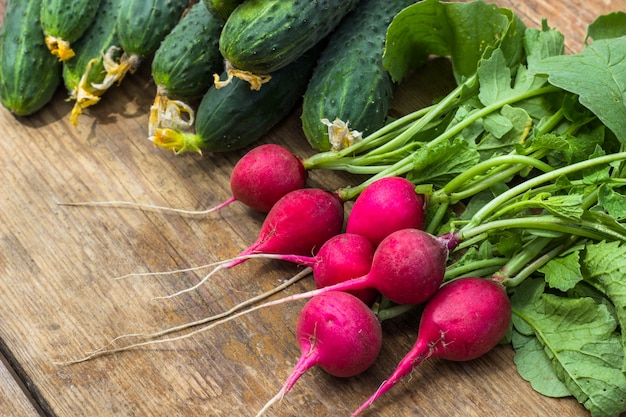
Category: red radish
[342,257]
[465,319]
[298,224]
[386,205]
[265,174]
[408,268]
[259,179]
[337,332]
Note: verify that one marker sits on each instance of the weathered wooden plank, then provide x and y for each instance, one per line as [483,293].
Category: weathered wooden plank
[14,397]
[57,263]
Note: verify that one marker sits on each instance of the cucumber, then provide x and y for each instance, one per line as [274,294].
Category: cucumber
[262,36]
[232,118]
[221,8]
[64,21]
[29,74]
[183,66]
[87,68]
[349,82]
[141,26]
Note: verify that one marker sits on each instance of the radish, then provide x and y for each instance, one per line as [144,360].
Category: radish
[298,224]
[337,332]
[259,179]
[465,319]
[386,205]
[342,257]
[408,268]
[263,175]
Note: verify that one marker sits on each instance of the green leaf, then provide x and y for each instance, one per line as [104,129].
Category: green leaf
[563,273]
[497,125]
[613,200]
[605,267]
[579,339]
[463,31]
[517,124]
[535,366]
[494,78]
[584,289]
[606,223]
[543,43]
[598,174]
[567,149]
[568,205]
[612,25]
[598,76]
[440,163]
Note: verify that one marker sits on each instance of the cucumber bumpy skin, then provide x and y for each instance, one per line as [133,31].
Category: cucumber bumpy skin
[182,68]
[349,87]
[233,118]
[86,69]
[29,73]
[262,36]
[64,21]
[141,26]
[221,8]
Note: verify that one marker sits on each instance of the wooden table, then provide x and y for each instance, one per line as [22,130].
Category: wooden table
[59,298]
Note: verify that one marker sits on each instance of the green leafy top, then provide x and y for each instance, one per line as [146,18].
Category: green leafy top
[598,76]
[578,338]
[466,32]
[523,168]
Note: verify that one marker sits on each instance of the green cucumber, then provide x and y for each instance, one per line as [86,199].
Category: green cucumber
[142,24]
[349,82]
[221,8]
[262,36]
[189,55]
[232,118]
[87,68]
[183,67]
[64,21]
[29,74]
[141,27]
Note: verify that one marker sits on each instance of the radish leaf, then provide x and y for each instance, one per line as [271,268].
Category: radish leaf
[605,266]
[535,367]
[612,25]
[613,201]
[438,164]
[563,273]
[598,76]
[464,31]
[579,338]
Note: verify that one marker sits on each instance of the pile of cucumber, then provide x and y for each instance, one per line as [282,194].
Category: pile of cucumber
[225,72]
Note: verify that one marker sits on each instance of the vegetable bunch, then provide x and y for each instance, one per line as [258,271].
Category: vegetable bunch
[512,229]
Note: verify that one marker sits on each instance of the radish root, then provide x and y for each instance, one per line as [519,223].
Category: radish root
[215,320]
[224,264]
[150,207]
[175,271]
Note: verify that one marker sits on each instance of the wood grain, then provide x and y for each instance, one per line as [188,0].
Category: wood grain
[14,398]
[59,298]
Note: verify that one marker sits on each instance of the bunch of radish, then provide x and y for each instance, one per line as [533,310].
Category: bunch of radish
[381,252]
[462,319]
